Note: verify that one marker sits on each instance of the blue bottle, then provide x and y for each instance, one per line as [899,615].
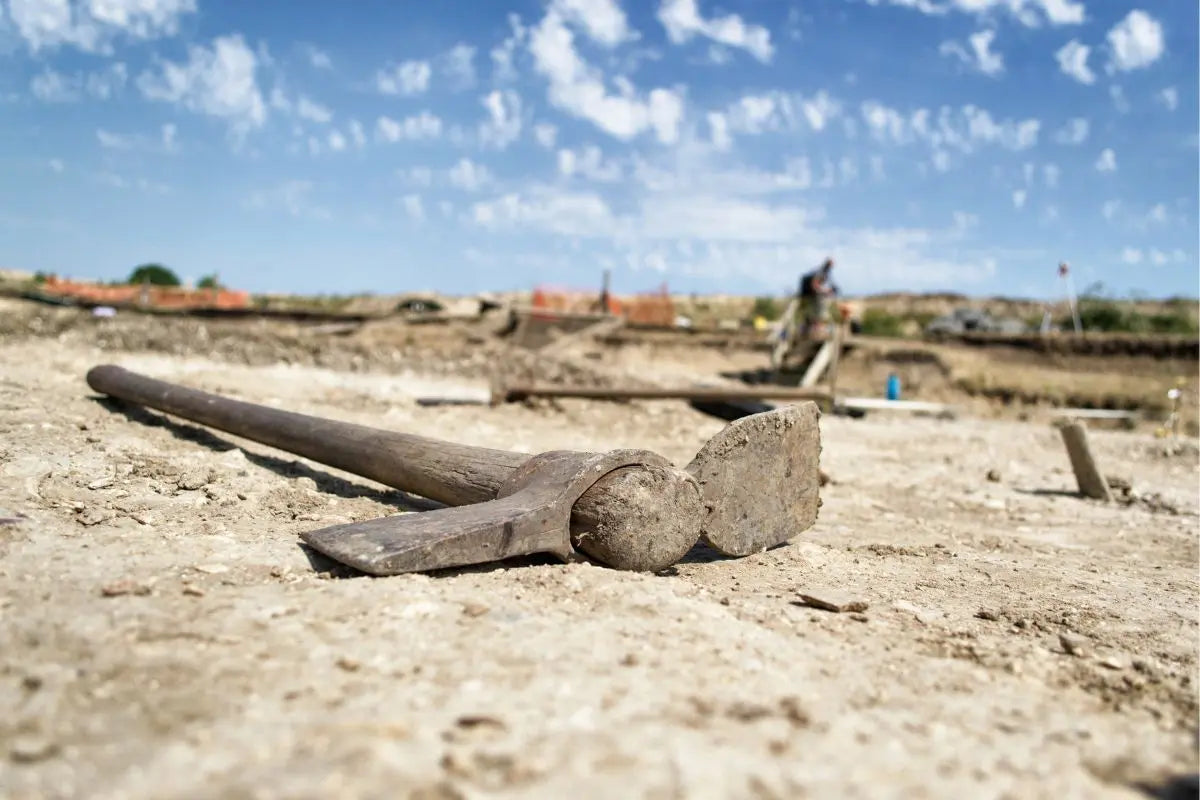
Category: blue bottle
[893,386]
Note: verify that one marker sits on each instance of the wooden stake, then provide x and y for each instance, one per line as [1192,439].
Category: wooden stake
[1087,475]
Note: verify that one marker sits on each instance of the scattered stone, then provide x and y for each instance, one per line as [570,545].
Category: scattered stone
[102,483]
[990,616]
[194,479]
[1072,644]
[94,516]
[124,587]
[629,660]
[473,609]
[1022,624]
[212,569]
[1112,662]
[306,483]
[832,600]
[349,664]
[193,591]
[31,749]
[993,475]
[860,618]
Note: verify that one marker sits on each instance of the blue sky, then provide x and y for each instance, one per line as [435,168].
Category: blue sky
[963,145]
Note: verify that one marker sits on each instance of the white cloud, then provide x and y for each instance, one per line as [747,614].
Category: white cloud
[57,165]
[1135,42]
[1169,97]
[357,134]
[93,25]
[417,176]
[1018,198]
[1074,132]
[469,175]
[1050,175]
[941,160]
[602,20]
[546,134]
[980,57]
[1157,214]
[1157,257]
[504,53]
[1107,162]
[588,162]
[1131,255]
[55,87]
[1119,101]
[503,126]
[409,78]
[219,81]
[293,197]
[312,111]
[413,207]
[718,125]
[1030,13]
[418,126]
[458,65]
[317,58]
[682,20]
[963,129]
[1110,208]
[337,142]
[1072,60]
[579,89]
[553,211]
[819,110]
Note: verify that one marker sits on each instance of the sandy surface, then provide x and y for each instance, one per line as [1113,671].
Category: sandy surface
[163,634]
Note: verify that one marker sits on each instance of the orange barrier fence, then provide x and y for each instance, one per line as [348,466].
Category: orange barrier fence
[649,309]
[149,296]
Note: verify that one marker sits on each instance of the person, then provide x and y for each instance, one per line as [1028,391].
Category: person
[816,288]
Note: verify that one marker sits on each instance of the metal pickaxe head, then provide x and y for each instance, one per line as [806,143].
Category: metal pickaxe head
[754,485]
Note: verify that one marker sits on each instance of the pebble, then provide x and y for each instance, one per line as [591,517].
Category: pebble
[102,483]
[473,609]
[993,475]
[1112,662]
[1072,644]
[832,600]
[30,749]
[990,616]
[349,664]
[94,516]
[212,569]
[124,587]
[193,479]
[193,591]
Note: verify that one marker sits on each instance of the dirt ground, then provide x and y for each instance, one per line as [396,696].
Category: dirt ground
[164,634]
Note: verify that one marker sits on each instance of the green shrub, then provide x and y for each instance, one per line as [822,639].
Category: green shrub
[876,322]
[767,308]
[155,274]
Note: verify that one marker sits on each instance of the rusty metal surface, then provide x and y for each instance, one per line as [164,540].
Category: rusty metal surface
[759,479]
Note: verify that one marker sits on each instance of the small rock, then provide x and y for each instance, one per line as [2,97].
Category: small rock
[1112,662]
[629,660]
[306,483]
[990,616]
[193,479]
[832,600]
[349,664]
[860,618]
[473,609]
[102,483]
[193,591]
[212,569]
[31,749]
[123,587]
[1072,644]
[993,475]
[94,516]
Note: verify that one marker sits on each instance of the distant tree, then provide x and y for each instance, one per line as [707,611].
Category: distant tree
[767,308]
[156,274]
[208,282]
[40,277]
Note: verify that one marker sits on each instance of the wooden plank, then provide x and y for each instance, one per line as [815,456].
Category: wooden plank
[878,404]
[762,392]
[820,362]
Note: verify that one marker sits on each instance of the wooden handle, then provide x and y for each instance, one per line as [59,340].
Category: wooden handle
[639,518]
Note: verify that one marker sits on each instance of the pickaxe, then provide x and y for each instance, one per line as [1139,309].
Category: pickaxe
[752,486]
